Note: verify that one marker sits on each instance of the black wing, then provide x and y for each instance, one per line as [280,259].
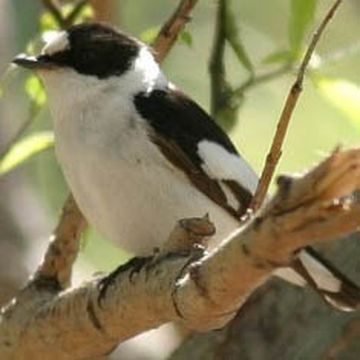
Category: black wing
[179,126]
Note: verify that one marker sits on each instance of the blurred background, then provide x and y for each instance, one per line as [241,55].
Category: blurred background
[32,188]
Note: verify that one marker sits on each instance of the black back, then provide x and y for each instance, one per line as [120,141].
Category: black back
[177,117]
[179,125]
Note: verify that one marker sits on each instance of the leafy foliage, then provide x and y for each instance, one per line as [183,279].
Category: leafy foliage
[35,90]
[235,41]
[149,35]
[302,16]
[25,149]
[186,38]
[344,95]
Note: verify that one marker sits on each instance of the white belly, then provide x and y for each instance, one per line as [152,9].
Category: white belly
[125,187]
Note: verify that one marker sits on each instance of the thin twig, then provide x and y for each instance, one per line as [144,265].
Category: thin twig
[218,82]
[260,79]
[70,19]
[172,28]
[54,9]
[276,148]
[225,99]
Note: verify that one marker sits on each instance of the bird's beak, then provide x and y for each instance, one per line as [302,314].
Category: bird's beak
[33,62]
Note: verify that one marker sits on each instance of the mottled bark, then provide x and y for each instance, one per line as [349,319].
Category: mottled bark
[281,321]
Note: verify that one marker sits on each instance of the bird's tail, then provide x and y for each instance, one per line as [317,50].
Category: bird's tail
[334,287]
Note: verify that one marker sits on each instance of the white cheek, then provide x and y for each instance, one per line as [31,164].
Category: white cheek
[220,164]
[67,90]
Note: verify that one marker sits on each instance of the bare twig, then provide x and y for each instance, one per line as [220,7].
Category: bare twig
[291,101]
[200,290]
[260,79]
[62,251]
[172,28]
[70,19]
[55,10]
[218,81]
[225,99]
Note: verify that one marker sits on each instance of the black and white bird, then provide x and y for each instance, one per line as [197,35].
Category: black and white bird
[132,146]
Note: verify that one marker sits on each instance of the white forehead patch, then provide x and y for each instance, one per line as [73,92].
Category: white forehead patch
[55,42]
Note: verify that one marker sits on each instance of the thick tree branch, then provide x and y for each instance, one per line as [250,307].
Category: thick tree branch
[200,290]
[63,248]
[182,282]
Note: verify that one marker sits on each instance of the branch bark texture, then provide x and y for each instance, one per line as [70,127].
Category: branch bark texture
[202,291]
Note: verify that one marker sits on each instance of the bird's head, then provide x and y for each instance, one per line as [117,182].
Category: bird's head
[90,56]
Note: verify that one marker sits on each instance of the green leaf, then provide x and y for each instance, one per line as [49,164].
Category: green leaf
[86,14]
[278,57]
[343,94]
[35,90]
[149,35]
[186,38]
[232,36]
[25,149]
[48,22]
[302,15]
[30,48]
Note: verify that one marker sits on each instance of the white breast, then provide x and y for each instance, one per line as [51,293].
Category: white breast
[122,182]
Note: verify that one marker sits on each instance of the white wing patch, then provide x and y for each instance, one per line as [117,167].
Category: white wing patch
[220,164]
[56,42]
[230,197]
